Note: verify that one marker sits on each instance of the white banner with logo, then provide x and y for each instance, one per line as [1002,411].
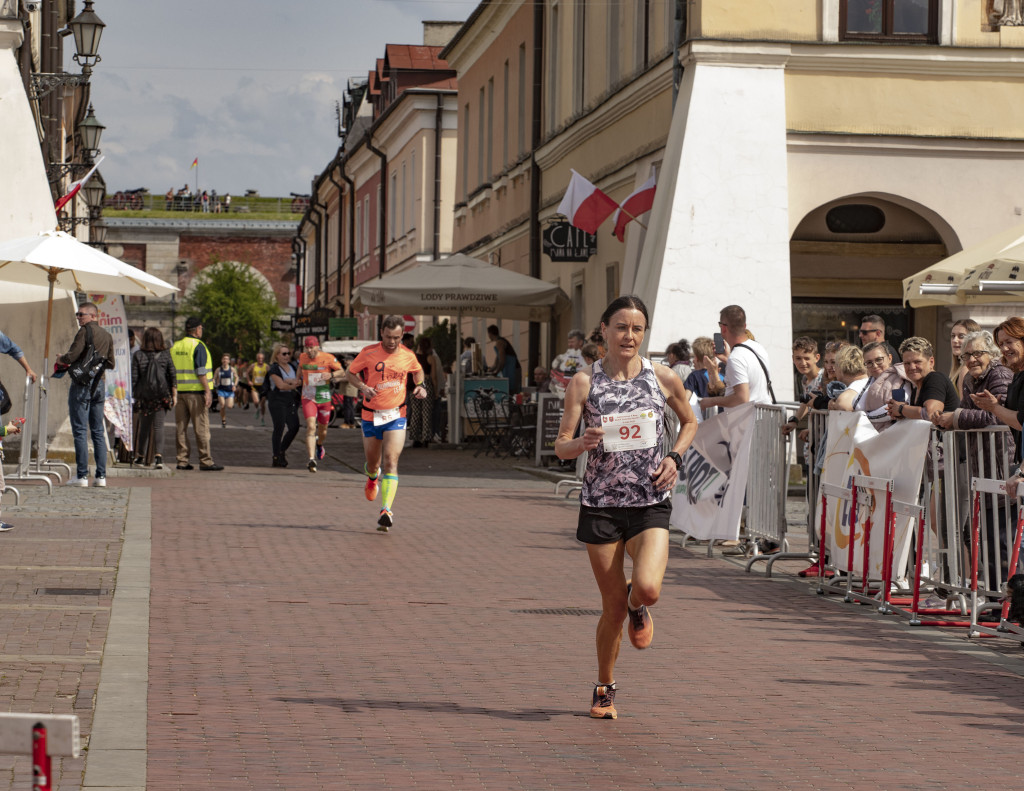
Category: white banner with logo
[117,408]
[898,453]
[708,500]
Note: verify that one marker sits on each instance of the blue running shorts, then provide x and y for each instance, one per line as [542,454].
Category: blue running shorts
[377,432]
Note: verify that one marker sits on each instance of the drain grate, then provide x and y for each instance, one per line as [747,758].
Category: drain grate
[72,591]
[558,611]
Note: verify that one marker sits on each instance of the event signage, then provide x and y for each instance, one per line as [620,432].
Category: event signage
[282,325]
[563,242]
[117,406]
[713,476]
[549,417]
[316,322]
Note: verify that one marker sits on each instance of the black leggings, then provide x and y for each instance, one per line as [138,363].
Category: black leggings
[284,411]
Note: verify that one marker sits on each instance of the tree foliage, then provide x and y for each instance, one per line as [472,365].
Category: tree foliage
[235,307]
[442,338]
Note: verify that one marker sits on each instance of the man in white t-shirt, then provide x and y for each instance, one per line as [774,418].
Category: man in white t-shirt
[747,372]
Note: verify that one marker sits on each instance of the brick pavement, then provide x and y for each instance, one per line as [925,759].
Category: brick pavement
[293,646]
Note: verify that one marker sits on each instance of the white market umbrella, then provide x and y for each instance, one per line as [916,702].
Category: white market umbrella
[961,279]
[58,260]
[462,286]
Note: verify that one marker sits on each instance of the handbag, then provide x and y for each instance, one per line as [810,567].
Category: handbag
[85,371]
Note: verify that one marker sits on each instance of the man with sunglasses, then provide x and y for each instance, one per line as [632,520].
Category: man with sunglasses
[872,330]
[85,401]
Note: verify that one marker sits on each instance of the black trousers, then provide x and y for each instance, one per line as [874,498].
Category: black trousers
[284,412]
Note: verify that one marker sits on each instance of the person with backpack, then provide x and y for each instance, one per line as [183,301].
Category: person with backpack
[155,390]
[91,352]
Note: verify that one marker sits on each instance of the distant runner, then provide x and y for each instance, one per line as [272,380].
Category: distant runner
[257,375]
[624,505]
[379,372]
[317,368]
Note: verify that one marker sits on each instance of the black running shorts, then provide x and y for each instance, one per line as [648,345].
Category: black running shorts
[608,525]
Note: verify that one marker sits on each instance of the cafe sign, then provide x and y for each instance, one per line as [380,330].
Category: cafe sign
[316,322]
[562,242]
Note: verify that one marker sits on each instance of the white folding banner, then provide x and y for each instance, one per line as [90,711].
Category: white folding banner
[898,453]
[117,408]
[708,500]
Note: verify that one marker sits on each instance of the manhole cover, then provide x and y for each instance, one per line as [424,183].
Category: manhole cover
[72,591]
[558,611]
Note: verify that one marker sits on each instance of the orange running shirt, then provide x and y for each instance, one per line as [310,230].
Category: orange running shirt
[316,376]
[385,373]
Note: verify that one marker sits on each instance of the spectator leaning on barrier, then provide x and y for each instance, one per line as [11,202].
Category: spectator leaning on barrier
[747,373]
[932,391]
[885,377]
[957,335]
[984,374]
[852,373]
[1010,338]
[872,329]
[706,378]
[805,361]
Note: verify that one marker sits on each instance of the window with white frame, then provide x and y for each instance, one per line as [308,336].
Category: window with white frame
[897,21]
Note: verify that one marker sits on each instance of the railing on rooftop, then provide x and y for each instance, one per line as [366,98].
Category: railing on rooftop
[143,201]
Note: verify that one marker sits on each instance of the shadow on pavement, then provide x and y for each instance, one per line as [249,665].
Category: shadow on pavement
[429,707]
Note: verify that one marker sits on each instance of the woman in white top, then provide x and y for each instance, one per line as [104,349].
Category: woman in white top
[851,372]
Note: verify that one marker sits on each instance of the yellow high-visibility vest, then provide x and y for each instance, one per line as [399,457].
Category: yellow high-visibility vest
[182,353]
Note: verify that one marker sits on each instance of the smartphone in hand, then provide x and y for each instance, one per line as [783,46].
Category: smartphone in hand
[719,343]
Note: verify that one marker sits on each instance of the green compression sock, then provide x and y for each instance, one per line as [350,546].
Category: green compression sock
[371,477]
[388,488]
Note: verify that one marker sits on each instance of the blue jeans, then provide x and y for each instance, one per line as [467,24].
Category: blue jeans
[85,407]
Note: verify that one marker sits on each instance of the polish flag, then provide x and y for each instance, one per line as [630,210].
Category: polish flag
[638,203]
[585,205]
[75,187]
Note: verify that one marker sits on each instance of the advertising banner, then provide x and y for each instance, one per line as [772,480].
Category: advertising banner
[898,453]
[708,500]
[117,408]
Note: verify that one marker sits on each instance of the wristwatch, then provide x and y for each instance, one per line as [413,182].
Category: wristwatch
[901,409]
[675,457]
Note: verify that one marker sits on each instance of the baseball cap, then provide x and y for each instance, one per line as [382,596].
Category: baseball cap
[192,322]
[312,340]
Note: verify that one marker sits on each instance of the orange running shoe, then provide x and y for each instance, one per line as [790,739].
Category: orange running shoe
[641,624]
[603,707]
[371,488]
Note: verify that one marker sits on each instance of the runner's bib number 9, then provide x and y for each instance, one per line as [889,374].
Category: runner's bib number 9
[382,416]
[630,430]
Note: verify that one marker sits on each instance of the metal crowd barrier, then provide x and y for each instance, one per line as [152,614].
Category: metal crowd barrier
[1005,628]
[767,483]
[23,470]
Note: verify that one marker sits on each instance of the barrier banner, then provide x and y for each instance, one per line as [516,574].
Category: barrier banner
[842,431]
[708,500]
[898,453]
[117,407]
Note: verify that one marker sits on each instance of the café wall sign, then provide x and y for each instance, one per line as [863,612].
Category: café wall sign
[563,242]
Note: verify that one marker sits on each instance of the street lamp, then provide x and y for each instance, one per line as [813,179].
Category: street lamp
[94,190]
[87,29]
[91,129]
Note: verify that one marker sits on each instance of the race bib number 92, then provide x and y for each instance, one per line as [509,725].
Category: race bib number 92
[630,430]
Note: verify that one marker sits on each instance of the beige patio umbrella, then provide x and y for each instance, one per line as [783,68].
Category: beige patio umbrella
[982,274]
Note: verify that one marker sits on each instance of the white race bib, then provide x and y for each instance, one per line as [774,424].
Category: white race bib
[382,416]
[630,430]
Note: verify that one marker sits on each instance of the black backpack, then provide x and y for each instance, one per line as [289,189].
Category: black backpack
[265,390]
[151,388]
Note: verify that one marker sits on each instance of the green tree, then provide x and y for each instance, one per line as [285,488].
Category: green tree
[235,306]
[442,338]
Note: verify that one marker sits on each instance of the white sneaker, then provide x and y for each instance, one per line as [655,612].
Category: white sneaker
[101,482]
[934,602]
[77,482]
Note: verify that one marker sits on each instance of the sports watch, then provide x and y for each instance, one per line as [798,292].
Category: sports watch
[675,457]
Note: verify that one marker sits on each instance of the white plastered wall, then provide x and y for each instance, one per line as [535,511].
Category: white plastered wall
[719,226]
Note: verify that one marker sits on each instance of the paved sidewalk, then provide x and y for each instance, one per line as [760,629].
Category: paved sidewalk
[291,645]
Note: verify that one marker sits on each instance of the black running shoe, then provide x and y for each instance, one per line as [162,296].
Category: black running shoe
[312,465]
[386,520]
[603,706]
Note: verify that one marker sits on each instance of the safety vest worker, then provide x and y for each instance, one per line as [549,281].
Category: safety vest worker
[183,355]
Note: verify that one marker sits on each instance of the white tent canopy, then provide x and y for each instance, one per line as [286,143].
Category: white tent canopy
[462,286]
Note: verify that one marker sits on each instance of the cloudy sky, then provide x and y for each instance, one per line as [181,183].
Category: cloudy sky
[247,86]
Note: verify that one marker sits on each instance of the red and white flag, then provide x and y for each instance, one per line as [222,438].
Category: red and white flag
[75,187]
[585,205]
[638,203]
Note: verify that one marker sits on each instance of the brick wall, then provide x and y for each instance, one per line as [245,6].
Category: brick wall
[271,256]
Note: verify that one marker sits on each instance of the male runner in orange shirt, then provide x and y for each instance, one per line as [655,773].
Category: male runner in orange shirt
[317,369]
[380,373]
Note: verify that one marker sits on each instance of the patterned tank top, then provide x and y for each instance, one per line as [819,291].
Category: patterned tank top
[623,478]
